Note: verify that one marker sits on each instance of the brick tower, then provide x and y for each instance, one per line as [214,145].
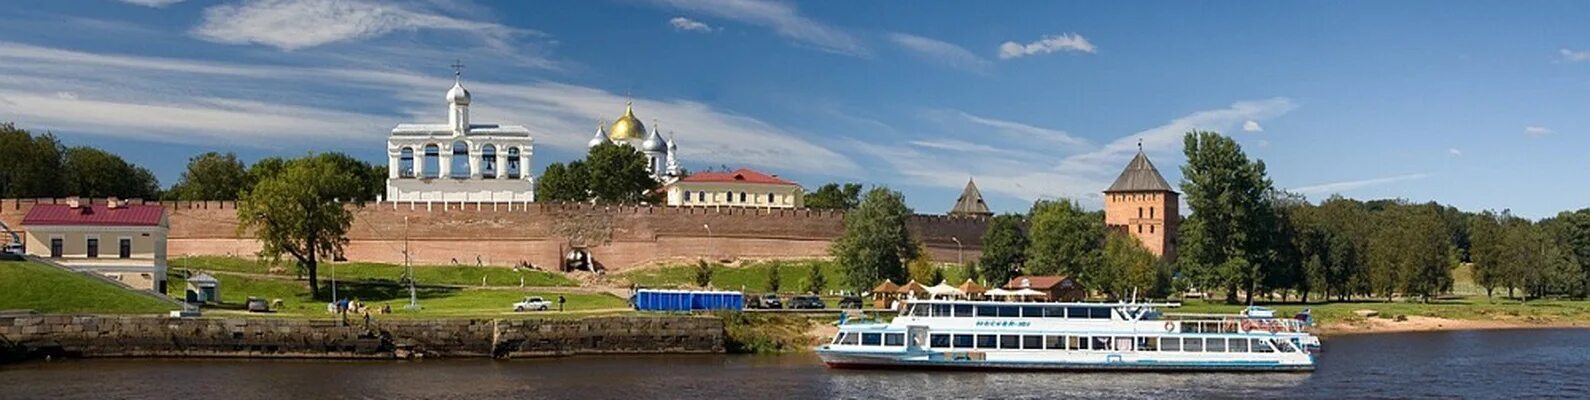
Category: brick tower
[1142,204]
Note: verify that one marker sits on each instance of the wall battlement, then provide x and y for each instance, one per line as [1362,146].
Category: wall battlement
[540,233]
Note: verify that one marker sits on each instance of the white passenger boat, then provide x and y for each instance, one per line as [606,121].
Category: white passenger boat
[960,334]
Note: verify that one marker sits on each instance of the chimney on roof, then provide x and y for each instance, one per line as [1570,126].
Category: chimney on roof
[73,203]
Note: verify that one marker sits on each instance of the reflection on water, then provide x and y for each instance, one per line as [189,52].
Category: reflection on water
[1496,364]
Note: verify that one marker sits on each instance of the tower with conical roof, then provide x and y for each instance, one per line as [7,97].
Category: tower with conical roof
[1145,206]
[970,204]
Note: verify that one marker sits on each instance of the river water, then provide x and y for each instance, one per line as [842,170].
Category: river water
[1547,363]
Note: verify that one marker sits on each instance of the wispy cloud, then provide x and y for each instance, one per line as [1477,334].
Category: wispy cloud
[1252,126]
[1345,186]
[186,101]
[1537,131]
[959,146]
[689,25]
[942,52]
[299,24]
[1069,42]
[1024,131]
[1166,139]
[1455,152]
[782,18]
[1574,55]
[152,3]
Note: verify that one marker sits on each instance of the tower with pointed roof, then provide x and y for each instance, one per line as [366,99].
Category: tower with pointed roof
[1142,204]
[627,130]
[970,204]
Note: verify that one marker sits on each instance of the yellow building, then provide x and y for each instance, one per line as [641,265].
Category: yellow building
[741,188]
[124,242]
[1141,203]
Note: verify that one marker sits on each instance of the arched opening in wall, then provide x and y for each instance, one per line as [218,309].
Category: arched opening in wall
[432,164]
[488,161]
[460,161]
[512,169]
[406,163]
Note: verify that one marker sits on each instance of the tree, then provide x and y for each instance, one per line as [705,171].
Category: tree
[936,276]
[773,278]
[834,197]
[92,172]
[211,176]
[875,243]
[1127,266]
[1225,241]
[703,273]
[295,212]
[618,175]
[815,281]
[369,180]
[1574,235]
[30,166]
[563,183]
[1488,252]
[1065,240]
[969,271]
[1004,249]
[921,269]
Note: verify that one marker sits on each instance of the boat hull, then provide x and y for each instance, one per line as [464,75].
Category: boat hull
[855,360]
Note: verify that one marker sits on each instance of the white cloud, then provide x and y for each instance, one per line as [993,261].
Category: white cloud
[686,24]
[1454,152]
[1346,186]
[298,24]
[1023,131]
[1252,126]
[959,146]
[152,3]
[185,101]
[1048,44]
[942,52]
[1574,55]
[1167,139]
[782,18]
[1537,131]
[64,95]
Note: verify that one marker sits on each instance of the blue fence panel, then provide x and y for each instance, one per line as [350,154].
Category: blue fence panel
[680,300]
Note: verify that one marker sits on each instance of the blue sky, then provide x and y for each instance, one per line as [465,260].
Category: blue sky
[1483,105]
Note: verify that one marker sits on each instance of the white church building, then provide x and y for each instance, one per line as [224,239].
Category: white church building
[460,160]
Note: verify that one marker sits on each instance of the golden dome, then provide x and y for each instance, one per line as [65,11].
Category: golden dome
[627,127]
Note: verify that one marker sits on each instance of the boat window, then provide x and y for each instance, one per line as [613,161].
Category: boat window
[1032,312]
[1009,311]
[850,338]
[1101,343]
[871,339]
[1193,344]
[1054,312]
[1123,343]
[1076,343]
[894,339]
[919,310]
[1100,313]
[1009,341]
[1032,342]
[1238,346]
[1054,342]
[1259,346]
[1283,346]
[1170,344]
[1076,312]
[1147,344]
[939,341]
[963,341]
[837,337]
[987,311]
[941,310]
[1215,345]
[987,341]
[963,310]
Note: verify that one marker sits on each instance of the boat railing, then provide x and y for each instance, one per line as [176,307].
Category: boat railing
[1235,324]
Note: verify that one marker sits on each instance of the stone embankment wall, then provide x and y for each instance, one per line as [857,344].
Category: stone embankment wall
[114,336]
[508,233]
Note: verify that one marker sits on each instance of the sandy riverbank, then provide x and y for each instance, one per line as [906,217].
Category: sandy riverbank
[1416,323]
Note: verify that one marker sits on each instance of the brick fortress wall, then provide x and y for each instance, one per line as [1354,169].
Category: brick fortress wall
[505,234]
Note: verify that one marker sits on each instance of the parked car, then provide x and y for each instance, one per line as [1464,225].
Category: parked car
[533,303]
[256,304]
[852,302]
[771,300]
[806,302]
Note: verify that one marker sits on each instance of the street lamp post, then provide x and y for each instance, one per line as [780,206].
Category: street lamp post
[711,245]
[414,303]
[958,251]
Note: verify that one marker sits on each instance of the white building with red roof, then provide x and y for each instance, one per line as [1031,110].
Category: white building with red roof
[125,242]
[741,188]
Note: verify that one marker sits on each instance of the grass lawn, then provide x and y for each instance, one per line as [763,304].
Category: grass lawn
[751,278]
[424,274]
[1542,311]
[435,301]
[33,286]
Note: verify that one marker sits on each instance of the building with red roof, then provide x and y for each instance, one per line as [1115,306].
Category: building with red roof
[740,188]
[126,242]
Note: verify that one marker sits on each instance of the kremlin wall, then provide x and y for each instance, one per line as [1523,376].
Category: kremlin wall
[505,234]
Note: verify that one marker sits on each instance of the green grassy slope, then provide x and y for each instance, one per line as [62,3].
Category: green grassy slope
[46,289]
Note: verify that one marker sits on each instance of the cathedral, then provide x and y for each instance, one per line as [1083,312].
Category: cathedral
[661,154]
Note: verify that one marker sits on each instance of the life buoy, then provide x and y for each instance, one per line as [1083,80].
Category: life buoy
[1170,326]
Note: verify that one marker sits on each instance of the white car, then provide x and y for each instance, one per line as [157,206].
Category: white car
[534,303]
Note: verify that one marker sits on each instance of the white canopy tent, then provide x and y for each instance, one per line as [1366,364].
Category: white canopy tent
[1000,292]
[943,290]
